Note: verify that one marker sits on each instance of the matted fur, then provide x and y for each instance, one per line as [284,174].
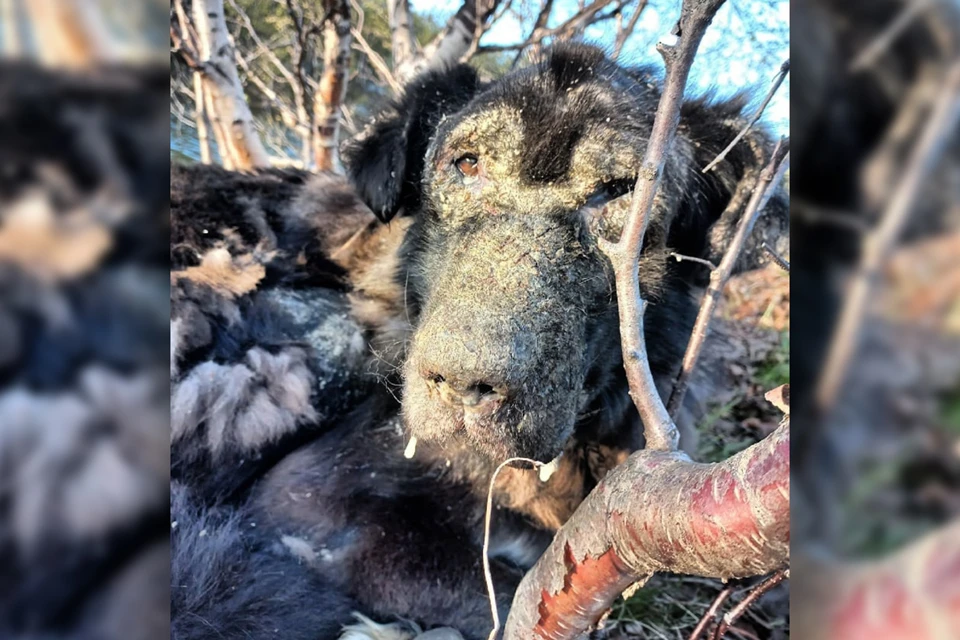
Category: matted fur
[494,283]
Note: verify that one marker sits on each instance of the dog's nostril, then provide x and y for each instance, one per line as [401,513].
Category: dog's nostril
[456,393]
[484,389]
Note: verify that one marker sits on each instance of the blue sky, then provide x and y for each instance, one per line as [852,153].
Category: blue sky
[743,49]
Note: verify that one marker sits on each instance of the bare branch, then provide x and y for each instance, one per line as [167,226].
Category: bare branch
[659,430]
[711,612]
[777,81]
[624,31]
[888,36]
[376,61]
[767,184]
[776,257]
[679,257]
[581,19]
[757,592]
[879,243]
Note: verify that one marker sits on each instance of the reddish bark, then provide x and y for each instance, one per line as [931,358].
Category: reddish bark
[659,511]
[912,595]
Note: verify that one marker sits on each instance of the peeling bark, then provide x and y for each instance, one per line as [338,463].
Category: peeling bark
[333,83]
[912,595]
[403,45]
[228,103]
[659,511]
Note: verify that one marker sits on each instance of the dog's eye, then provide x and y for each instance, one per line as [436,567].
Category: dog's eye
[467,165]
[608,191]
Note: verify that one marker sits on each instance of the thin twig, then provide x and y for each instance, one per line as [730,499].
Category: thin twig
[776,257]
[679,257]
[888,36]
[777,81]
[711,612]
[879,243]
[767,183]
[660,432]
[731,616]
[487,516]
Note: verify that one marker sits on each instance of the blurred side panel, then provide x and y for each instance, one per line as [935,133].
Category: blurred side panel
[876,288]
[84,316]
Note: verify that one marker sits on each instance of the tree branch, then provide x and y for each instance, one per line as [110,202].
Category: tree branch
[767,183]
[659,430]
[879,243]
[624,31]
[658,511]
[777,81]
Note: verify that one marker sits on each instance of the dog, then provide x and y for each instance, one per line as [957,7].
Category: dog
[350,363]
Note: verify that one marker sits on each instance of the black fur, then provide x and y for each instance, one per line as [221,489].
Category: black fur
[402,537]
[227,582]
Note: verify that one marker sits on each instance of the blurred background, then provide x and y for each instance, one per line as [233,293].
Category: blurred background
[84,317]
[875,282]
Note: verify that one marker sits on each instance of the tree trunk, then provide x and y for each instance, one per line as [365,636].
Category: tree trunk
[70,33]
[203,133]
[448,47]
[403,47]
[455,39]
[10,17]
[333,83]
[222,86]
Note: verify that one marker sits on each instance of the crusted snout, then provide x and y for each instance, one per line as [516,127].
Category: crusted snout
[499,354]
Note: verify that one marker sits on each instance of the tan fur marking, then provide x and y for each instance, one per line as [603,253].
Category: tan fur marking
[52,247]
[229,275]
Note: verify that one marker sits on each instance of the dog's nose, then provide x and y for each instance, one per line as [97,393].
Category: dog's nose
[472,395]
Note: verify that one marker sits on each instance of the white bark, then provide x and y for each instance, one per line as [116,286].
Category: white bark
[229,109]
[10,17]
[203,134]
[403,46]
[71,33]
[333,83]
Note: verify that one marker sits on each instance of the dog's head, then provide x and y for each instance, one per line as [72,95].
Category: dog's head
[516,326]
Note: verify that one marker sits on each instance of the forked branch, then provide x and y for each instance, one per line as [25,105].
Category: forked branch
[659,430]
[659,511]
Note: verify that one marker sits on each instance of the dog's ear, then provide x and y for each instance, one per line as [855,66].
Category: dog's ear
[385,162]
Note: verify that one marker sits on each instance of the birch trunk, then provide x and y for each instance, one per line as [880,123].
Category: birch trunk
[10,16]
[222,85]
[70,33]
[333,84]
[203,133]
